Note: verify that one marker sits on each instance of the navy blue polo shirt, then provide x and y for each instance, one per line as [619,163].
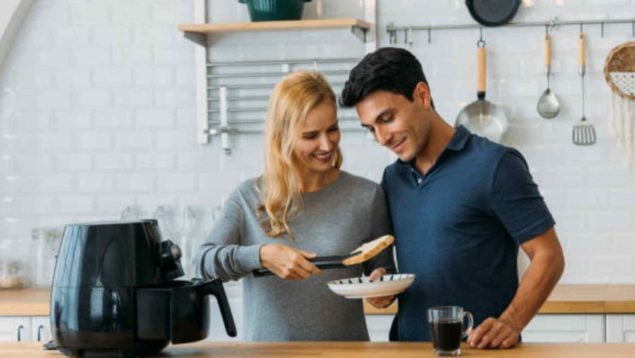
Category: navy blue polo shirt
[458,229]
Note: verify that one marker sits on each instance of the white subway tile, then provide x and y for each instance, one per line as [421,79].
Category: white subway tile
[113,162]
[73,162]
[75,204]
[72,36]
[102,95]
[92,97]
[134,141]
[108,35]
[72,120]
[155,161]
[164,35]
[96,183]
[177,96]
[112,76]
[94,141]
[32,163]
[112,118]
[54,183]
[52,99]
[155,118]
[175,139]
[112,205]
[135,183]
[158,76]
[89,13]
[132,98]
[605,221]
[176,183]
[92,56]
[70,78]
[131,13]
[135,55]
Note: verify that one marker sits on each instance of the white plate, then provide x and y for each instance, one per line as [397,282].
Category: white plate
[361,287]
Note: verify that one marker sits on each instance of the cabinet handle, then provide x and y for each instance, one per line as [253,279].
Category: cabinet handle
[20,328]
[39,332]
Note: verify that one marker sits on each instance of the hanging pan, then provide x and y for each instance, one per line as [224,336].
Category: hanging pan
[481,116]
[492,12]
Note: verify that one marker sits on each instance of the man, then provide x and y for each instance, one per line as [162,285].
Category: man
[460,205]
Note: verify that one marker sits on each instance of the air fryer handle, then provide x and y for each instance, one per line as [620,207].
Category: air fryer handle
[215,287]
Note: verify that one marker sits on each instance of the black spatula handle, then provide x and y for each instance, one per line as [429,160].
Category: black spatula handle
[322,262]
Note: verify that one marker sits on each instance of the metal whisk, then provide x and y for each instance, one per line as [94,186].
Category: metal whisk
[583,132]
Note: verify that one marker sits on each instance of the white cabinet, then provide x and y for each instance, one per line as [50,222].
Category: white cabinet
[40,329]
[588,328]
[15,329]
[24,328]
[543,328]
[379,327]
[620,328]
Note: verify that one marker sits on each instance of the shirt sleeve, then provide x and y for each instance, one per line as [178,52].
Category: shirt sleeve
[380,226]
[222,255]
[516,200]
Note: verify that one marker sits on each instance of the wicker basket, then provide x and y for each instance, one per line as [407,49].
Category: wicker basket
[619,70]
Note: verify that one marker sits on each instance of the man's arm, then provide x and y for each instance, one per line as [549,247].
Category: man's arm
[547,265]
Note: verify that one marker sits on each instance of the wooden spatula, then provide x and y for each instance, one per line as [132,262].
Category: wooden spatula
[361,254]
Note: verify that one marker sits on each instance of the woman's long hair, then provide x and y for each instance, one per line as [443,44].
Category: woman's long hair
[293,98]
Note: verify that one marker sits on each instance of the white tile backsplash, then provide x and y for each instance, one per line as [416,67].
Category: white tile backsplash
[97,112]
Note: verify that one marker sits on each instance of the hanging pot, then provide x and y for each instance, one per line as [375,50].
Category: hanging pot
[492,12]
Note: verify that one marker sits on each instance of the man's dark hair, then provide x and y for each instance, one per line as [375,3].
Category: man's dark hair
[389,69]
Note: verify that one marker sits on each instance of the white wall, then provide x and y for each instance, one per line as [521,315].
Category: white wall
[97,112]
[12,13]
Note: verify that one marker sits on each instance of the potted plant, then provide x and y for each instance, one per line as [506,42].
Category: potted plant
[273,10]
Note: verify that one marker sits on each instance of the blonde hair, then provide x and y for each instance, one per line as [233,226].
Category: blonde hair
[291,101]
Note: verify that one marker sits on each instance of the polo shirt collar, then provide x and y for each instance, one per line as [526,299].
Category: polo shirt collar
[457,143]
[459,139]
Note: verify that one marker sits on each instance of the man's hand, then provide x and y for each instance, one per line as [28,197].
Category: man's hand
[287,262]
[379,302]
[493,333]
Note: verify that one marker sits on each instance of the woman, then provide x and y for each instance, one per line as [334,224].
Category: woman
[302,205]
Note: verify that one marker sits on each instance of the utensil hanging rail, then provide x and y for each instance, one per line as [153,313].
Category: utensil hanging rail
[392,29]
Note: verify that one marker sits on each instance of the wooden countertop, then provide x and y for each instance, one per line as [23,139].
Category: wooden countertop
[574,299]
[564,299]
[25,302]
[350,349]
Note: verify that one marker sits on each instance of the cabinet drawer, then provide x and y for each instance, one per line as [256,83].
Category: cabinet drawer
[567,328]
[13,329]
[40,329]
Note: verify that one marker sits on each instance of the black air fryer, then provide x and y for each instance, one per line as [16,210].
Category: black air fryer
[114,292]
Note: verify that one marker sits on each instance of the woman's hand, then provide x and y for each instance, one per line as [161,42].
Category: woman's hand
[287,262]
[379,302]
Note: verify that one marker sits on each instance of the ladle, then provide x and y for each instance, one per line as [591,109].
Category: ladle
[548,105]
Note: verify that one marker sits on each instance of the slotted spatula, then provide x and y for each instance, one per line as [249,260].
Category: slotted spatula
[583,132]
[361,254]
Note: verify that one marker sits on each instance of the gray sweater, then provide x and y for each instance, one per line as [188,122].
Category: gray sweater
[334,221]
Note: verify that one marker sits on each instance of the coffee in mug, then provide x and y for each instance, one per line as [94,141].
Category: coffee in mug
[445,324]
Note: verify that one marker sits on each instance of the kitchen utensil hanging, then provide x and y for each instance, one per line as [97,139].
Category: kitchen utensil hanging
[619,72]
[583,133]
[492,12]
[481,116]
[361,254]
[548,105]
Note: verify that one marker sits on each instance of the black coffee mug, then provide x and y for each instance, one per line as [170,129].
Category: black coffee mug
[446,326]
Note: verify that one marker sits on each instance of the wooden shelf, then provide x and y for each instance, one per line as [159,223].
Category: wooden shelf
[199,32]
[273,25]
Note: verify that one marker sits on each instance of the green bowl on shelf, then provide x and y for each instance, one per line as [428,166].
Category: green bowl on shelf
[274,10]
